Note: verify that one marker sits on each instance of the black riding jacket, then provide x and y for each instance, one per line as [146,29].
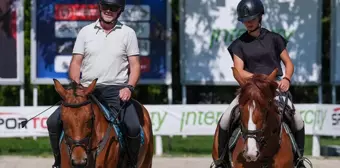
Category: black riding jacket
[260,55]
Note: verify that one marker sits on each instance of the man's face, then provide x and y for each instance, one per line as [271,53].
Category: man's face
[109,12]
[5,6]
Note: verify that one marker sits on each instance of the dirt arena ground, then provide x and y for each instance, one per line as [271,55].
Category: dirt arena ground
[159,162]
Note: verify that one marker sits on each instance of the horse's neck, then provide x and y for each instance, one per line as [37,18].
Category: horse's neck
[100,123]
[273,122]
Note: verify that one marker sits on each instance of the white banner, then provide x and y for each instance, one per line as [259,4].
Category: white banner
[173,119]
[209,26]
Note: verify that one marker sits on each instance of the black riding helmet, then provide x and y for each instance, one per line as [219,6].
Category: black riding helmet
[120,3]
[249,10]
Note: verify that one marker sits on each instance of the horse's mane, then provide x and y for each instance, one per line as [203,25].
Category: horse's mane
[257,88]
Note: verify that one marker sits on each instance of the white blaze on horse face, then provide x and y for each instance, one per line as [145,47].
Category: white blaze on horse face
[252,150]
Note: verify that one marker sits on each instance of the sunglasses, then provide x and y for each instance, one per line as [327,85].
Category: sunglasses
[112,8]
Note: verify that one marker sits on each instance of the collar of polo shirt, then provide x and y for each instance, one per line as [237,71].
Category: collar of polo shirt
[117,25]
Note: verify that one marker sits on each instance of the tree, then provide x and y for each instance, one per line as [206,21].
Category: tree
[157,94]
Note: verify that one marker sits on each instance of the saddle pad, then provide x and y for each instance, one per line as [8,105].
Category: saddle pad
[116,126]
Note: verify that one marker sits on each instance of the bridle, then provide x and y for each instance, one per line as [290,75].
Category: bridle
[86,142]
[258,134]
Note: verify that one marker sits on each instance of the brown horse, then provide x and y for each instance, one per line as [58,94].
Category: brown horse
[264,141]
[89,139]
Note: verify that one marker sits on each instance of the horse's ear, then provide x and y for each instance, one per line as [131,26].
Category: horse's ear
[91,87]
[237,76]
[272,76]
[59,88]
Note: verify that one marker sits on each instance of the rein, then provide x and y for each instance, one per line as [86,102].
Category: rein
[86,142]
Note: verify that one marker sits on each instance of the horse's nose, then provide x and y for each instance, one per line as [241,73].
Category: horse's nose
[257,154]
[251,155]
[79,162]
[251,152]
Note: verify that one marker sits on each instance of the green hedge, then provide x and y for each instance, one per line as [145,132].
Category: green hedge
[192,145]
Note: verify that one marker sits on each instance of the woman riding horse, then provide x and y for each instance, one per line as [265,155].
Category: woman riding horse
[259,51]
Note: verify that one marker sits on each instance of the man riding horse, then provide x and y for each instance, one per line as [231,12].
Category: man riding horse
[107,50]
[260,51]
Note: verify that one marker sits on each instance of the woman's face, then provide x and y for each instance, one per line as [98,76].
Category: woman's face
[252,24]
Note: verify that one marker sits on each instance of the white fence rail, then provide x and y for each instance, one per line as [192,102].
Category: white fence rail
[171,120]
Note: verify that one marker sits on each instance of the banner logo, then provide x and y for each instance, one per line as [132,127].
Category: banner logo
[336,118]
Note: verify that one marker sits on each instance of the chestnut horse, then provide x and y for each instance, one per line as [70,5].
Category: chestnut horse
[264,142]
[89,138]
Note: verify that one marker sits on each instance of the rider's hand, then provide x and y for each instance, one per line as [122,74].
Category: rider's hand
[284,85]
[125,94]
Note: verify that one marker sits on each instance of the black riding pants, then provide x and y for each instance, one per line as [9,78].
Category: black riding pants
[109,97]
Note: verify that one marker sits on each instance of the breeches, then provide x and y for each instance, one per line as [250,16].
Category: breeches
[109,97]
[225,119]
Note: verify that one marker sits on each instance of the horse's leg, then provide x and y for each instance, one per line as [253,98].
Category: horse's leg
[148,147]
[147,162]
[113,156]
[109,156]
[65,158]
[284,157]
[148,155]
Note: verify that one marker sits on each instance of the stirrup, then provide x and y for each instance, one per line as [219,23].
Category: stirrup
[301,160]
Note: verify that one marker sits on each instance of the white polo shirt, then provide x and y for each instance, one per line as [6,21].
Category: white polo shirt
[105,55]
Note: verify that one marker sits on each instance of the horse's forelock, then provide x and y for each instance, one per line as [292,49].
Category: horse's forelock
[259,89]
[76,88]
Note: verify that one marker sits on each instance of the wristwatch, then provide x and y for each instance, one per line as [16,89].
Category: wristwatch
[131,88]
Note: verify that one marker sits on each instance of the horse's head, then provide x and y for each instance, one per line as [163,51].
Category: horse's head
[256,102]
[78,117]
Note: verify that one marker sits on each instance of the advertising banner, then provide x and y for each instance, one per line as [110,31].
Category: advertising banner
[56,24]
[11,42]
[173,119]
[335,39]
[209,26]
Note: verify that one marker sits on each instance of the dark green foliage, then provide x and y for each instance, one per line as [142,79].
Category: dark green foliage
[157,94]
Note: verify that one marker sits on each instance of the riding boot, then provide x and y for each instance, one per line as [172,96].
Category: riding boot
[300,141]
[223,149]
[54,140]
[133,150]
